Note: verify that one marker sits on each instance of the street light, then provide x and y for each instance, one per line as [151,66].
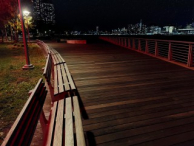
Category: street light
[26,13]
[27,66]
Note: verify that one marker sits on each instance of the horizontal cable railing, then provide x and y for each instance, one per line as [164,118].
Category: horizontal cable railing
[179,52]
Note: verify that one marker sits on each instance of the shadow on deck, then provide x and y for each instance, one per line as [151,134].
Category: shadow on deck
[131,98]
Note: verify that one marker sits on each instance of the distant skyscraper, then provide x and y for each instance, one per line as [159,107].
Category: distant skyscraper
[48,13]
[97,30]
[193,12]
[44,11]
[140,25]
[37,9]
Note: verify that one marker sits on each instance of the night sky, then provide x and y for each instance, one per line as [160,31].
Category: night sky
[109,14]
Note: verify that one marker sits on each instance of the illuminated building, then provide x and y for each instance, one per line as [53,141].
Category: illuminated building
[37,9]
[44,12]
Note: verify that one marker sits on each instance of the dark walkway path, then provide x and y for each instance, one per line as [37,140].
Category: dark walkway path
[130,98]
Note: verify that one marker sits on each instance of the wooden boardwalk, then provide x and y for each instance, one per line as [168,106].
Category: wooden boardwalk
[130,98]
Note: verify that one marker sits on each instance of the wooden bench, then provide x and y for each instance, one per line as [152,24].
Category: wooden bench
[65,126]
[22,131]
[63,82]
[65,120]
[44,46]
[57,58]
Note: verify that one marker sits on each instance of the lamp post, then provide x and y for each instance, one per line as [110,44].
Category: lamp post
[26,13]
[27,66]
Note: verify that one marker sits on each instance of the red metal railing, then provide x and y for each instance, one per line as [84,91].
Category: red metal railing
[178,52]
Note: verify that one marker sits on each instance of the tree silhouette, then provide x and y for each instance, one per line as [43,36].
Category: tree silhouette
[8,9]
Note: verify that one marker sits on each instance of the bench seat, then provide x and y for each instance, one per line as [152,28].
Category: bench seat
[65,126]
[57,58]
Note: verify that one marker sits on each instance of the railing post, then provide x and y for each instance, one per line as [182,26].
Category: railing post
[146,47]
[134,44]
[190,56]
[139,45]
[129,43]
[170,52]
[122,42]
[156,48]
[126,42]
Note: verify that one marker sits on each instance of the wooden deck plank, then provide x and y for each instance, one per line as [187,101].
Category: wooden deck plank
[131,98]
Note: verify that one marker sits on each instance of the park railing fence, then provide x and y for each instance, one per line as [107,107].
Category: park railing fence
[178,52]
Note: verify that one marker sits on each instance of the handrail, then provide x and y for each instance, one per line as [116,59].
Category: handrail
[177,52]
[174,41]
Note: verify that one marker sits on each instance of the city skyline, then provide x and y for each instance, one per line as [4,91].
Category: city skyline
[80,15]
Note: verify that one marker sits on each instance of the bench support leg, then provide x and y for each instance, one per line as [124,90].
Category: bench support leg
[43,122]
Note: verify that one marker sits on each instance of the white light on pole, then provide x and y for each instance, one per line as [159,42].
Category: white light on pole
[27,65]
[26,13]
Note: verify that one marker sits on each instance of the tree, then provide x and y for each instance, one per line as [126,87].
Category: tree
[28,22]
[7,12]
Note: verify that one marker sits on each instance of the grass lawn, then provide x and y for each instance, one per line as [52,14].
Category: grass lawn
[15,83]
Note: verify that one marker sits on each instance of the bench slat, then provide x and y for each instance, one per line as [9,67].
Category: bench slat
[78,123]
[62,60]
[69,139]
[33,121]
[66,83]
[32,117]
[47,62]
[70,78]
[58,135]
[51,125]
[54,59]
[47,69]
[60,82]
[59,58]
[55,81]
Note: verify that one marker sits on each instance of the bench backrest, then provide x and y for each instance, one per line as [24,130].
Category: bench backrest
[22,131]
[48,68]
[44,46]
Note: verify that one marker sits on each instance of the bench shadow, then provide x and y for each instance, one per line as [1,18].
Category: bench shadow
[89,136]
[82,107]
[90,139]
